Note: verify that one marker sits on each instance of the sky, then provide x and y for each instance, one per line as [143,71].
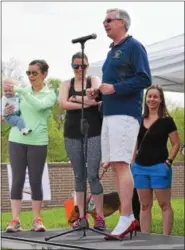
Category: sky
[44,30]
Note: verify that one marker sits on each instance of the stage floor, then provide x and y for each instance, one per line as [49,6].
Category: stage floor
[90,241]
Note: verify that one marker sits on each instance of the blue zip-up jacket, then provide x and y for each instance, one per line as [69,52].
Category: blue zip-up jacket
[127,68]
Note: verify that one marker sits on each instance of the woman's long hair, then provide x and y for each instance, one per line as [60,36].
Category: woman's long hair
[162,111]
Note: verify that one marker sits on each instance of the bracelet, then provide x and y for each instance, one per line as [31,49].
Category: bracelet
[170,161]
[74,96]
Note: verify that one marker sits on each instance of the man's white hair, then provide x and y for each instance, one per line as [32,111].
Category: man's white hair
[123,15]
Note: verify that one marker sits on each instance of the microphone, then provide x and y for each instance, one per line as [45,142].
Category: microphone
[84,38]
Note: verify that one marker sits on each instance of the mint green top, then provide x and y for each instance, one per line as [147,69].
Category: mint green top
[35,109]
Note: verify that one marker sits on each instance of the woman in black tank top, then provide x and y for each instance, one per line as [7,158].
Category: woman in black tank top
[70,99]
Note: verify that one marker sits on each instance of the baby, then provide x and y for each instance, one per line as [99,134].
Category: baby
[11,98]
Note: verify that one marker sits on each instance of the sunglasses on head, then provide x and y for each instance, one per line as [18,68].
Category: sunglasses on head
[76,66]
[109,20]
[34,73]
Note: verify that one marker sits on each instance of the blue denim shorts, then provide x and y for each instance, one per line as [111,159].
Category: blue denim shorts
[155,176]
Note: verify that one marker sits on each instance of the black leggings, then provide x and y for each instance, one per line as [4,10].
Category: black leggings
[23,156]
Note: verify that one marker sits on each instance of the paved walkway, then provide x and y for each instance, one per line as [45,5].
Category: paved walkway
[90,241]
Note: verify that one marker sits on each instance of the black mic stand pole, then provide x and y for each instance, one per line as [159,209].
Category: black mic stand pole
[84,224]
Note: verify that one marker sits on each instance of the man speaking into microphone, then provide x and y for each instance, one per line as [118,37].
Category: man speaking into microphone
[126,73]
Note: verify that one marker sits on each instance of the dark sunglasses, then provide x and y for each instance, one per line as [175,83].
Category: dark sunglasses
[76,66]
[34,73]
[109,20]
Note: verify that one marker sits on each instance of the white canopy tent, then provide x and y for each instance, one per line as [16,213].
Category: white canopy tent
[166,60]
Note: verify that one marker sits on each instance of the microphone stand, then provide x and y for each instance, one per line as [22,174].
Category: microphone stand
[84,224]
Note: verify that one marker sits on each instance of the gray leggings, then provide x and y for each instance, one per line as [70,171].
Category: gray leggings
[74,151]
[23,156]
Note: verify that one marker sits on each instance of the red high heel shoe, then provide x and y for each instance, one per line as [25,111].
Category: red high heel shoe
[137,226]
[130,229]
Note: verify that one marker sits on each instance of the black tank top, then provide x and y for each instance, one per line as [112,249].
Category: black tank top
[72,121]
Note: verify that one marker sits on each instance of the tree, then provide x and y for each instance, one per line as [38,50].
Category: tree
[4,142]
[56,149]
[58,113]
[12,69]
[178,115]
[53,83]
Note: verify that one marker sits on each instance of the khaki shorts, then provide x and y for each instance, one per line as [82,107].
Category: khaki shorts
[118,138]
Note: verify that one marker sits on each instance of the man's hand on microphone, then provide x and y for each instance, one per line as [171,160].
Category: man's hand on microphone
[106,88]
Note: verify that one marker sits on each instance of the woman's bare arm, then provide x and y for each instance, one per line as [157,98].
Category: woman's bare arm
[63,98]
[134,153]
[175,143]
[95,83]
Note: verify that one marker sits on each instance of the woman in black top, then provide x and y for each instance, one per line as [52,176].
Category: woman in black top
[70,99]
[152,169]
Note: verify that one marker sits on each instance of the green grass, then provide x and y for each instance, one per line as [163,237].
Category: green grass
[55,218]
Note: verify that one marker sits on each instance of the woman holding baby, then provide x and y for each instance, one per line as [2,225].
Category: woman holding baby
[30,150]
